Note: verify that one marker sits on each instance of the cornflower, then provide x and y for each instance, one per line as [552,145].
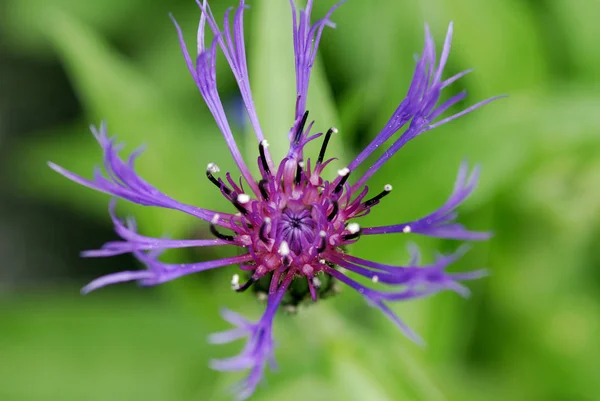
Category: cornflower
[293,223]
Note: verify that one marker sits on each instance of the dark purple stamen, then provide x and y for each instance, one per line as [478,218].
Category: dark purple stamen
[263,190]
[344,173]
[354,230]
[336,207]
[301,128]
[225,188]
[328,134]
[322,244]
[349,237]
[238,205]
[375,200]
[246,285]
[263,158]
[213,168]
[212,178]
[216,233]
[262,233]
[298,177]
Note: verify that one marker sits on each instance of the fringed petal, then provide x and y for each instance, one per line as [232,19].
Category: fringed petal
[306,43]
[157,272]
[418,108]
[413,281]
[123,181]
[260,346]
[234,49]
[204,75]
[441,223]
[132,241]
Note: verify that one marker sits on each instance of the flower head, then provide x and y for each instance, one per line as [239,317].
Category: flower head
[294,221]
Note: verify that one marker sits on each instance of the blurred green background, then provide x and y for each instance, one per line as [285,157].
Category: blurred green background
[530,330]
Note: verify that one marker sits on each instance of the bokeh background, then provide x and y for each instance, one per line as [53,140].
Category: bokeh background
[529,332]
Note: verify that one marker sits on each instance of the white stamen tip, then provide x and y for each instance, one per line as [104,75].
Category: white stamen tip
[264,143]
[267,220]
[243,198]
[344,172]
[215,219]
[353,228]
[334,130]
[387,188]
[322,234]
[322,261]
[406,229]
[235,281]
[375,279]
[301,164]
[316,282]
[212,168]
[284,249]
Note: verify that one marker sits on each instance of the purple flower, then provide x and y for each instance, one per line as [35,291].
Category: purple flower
[293,223]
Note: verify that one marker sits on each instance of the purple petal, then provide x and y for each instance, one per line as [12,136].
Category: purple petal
[136,242]
[115,278]
[158,272]
[166,272]
[205,78]
[234,50]
[441,223]
[235,318]
[404,328]
[259,348]
[306,43]
[465,111]
[123,181]
[413,281]
[228,336]
[418,107]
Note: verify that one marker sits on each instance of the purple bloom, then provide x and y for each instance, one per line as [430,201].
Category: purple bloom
[292,223]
